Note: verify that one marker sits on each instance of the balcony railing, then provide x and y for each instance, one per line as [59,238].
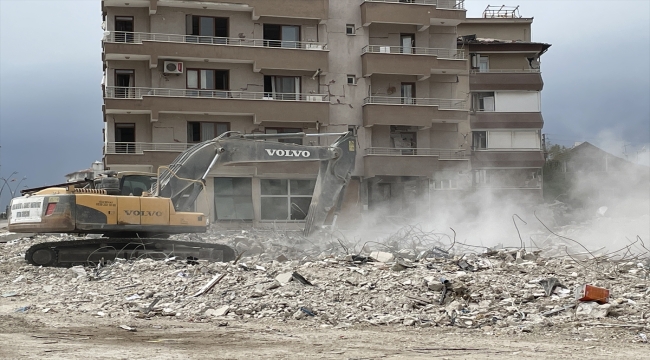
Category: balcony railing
[139,37]
[440,4]
[443,154]
[440,53]
[116,92]
[443,104]
[140,147]
[479,71]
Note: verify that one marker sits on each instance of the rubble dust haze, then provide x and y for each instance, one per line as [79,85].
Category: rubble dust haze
[605,219]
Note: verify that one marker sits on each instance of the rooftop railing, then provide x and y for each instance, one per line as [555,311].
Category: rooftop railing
[443,154]
[117,92]
[440,53]
[443,104]
[440,4]
[139,37]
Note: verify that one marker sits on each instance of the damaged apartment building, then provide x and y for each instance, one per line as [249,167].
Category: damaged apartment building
[442,104]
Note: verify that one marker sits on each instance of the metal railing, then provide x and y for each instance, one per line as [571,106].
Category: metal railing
[443,104]
[140,147]
[440,4]
[479,71]
[443,154]
[139,37]
[117,92]
[440,53]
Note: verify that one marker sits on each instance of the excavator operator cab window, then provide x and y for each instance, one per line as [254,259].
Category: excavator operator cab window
[136,184]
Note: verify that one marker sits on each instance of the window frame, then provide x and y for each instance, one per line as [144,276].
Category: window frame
[216,123]
[198,81]
[288,196]
[129,146]
[476,140]
[354,80]
[351,27]
[233,196]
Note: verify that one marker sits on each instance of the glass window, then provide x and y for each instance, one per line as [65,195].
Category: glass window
[233,198]
[203,131]
[286,199]
[274,187]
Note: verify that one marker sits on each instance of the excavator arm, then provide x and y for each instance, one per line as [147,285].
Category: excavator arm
[183,180]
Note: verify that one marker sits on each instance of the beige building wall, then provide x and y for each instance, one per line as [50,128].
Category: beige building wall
[503,29]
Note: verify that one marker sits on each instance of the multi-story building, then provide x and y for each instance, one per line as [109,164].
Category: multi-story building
[505,83]
[180,72]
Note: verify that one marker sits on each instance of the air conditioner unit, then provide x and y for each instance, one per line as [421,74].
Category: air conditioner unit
[384,49]
[316,98]
[314,47]
[173,67]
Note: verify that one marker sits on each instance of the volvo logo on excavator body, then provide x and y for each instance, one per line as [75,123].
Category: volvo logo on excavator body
[143,213]
[288,153]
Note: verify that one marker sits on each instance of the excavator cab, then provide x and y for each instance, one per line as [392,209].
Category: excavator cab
[125,183]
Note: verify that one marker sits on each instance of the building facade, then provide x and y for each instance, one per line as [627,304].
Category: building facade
[505,84]
[393,71]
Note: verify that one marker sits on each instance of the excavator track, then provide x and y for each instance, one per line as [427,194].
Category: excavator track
[94,251]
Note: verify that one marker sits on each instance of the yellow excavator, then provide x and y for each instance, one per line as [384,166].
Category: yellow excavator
[136,212]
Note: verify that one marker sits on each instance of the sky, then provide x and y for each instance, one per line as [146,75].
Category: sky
[596,76]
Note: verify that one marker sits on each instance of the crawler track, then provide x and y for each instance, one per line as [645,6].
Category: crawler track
[93,251]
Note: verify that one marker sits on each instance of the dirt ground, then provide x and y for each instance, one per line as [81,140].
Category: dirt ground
[52,336]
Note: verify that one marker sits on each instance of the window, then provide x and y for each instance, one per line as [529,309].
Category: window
[445,184]
[208,79]
[405,138]
[483,101]
[286,36]
[522,139]
[282,87]
[350,29]
[479,140]
[407,43]
[124,29]
[284,199]
[136,184]
[480,62]
[408,93]
[233,198]
[203,131]
[124,83]
[352,80]
[125,138]
[284,131]
[483,64]
[206,29]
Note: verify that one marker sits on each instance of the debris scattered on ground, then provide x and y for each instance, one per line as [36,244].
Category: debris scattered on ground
[413,279]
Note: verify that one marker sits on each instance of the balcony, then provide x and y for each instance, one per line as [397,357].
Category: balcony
[391,110]
[263,107]
[263,54]
[506,79]
[422,13]
[301,9]
[407,162]
[154,154]
[397,60]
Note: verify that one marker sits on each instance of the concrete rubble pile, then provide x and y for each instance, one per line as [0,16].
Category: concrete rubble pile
[496,291]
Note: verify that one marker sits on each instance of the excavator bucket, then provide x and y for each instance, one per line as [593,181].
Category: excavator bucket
[333,177]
